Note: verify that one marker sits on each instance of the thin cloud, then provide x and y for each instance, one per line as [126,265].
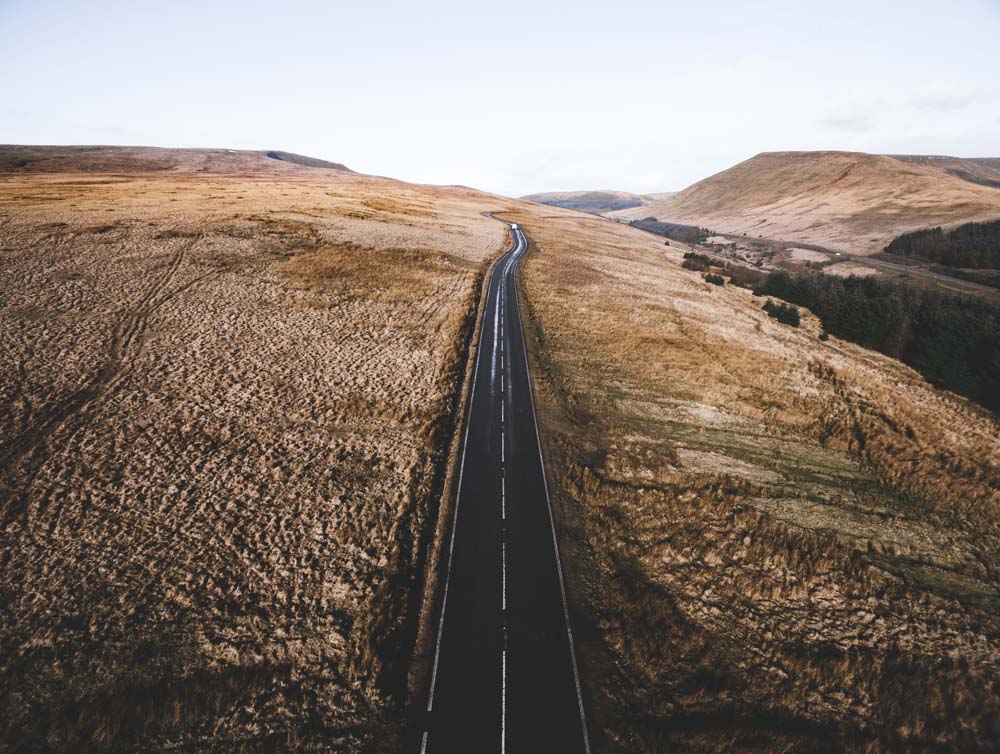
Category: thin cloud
[855,115]
[22,115]
[944,101]
[856,123]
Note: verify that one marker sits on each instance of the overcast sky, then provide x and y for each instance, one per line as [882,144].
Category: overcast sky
[510,97]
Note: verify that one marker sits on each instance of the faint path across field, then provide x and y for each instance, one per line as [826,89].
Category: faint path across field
[123,347]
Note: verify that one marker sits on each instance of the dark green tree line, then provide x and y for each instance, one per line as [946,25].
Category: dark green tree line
[973,246]
[952,340]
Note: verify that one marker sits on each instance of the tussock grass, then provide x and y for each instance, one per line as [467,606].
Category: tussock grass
[223,426]
[776,536]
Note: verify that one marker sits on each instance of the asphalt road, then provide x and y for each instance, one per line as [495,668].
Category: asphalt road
[504,677]
[918,271]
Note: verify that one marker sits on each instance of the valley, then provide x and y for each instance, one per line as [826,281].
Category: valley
[233,401]
[830,211]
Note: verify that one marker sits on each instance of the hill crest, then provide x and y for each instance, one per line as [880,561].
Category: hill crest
[850,201]
[114,159]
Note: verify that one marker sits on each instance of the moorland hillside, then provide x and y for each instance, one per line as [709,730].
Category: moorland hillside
[845,201]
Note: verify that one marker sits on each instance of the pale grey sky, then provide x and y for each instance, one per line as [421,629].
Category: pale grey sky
[509,97]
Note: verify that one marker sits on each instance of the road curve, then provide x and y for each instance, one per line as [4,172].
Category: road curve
[504,676]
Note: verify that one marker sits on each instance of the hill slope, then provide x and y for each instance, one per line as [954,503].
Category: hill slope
[982,170]
[226,397]
[591,202]
[847,201]
[218,476]
[104,159]
[780,537]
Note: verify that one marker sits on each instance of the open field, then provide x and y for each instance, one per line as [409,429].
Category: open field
[781,543]
[845,201]
[226,400]
[847,269]
[226,394]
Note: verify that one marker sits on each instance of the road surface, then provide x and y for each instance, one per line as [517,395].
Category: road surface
[917,271]
[504,677]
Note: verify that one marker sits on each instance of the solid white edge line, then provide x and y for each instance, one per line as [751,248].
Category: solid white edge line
[454,528]
[555,544]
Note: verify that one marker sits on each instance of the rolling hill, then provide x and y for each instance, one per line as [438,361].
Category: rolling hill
[591,202]
[983,170]
[105,159]
[231,400]
[847,201]
[228,340]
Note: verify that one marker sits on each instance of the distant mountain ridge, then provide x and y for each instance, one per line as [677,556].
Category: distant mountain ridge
[982,170]
[309,162]
[849,201]
[591,202]
[108,159]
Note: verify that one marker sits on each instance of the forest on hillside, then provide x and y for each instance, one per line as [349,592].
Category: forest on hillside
[952,340]
[972,245]
[673,231]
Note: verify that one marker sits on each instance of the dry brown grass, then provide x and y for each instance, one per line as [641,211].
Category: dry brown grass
[847,201]
[225,405]
[781,544]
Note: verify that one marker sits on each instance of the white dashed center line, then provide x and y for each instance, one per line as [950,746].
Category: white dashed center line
[498,349]
[503,702]
[503,578]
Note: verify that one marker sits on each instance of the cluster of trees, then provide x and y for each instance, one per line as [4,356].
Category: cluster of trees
[973,245]
[739,275]
[674,231]
[983,277]
[744,277]
[698,262]
[953,340]
[783,312]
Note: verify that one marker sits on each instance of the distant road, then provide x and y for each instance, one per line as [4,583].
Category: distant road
[912,270]
[917,271]
[504,676]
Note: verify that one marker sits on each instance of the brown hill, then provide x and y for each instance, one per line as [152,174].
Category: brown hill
[848,201]
[218,475]
[982,170]
[778,537]
[227,402]
[591,202]
[104,159]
